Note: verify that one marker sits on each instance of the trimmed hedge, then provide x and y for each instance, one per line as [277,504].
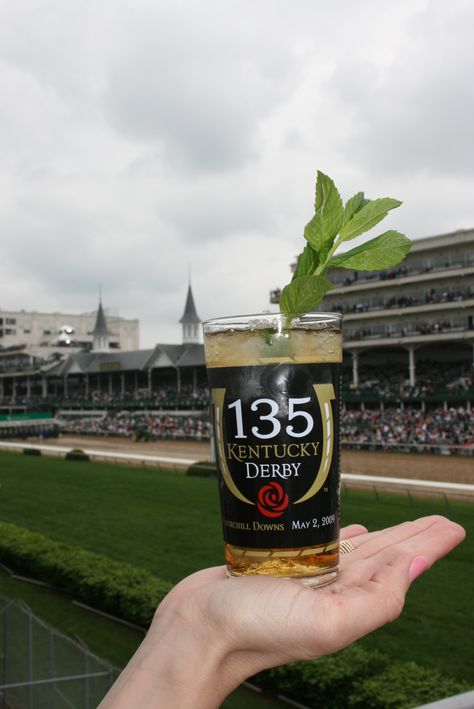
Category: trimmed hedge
[31,451]
[356,678]
[77,454]
[405,685]
[329,681]
[118,588]
[203,469]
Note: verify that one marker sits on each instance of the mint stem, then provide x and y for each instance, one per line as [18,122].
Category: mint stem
[323,267]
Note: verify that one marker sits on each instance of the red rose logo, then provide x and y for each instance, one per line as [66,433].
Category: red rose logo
[272,500]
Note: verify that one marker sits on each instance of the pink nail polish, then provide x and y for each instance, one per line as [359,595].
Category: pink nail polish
[417,567]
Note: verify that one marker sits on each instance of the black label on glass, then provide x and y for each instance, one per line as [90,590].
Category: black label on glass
[276,429]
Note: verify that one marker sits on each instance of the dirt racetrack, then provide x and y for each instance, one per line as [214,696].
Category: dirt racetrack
[419,466]
[459,469]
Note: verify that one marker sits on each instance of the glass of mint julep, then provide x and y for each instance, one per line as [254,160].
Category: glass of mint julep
[275,382]
[275,389]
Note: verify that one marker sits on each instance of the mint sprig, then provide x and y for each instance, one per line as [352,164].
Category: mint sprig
[332,225]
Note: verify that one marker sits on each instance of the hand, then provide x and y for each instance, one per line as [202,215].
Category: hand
[211,632]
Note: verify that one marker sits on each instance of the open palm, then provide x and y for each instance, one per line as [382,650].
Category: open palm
[211,632]
[270,621]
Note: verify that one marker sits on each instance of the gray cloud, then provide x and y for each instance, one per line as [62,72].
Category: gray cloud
[140,137]
[415,112]
[197,84]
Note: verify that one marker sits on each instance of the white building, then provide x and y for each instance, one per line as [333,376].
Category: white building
[35,329]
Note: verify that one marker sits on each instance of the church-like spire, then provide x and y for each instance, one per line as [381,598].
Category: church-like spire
[190,320]
[100,333]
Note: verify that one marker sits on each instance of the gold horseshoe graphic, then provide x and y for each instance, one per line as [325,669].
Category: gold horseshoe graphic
[325,394]
[218,403]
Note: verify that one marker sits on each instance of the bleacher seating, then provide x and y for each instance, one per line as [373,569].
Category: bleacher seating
[383,411]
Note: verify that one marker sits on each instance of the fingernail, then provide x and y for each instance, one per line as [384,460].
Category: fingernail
[417,567]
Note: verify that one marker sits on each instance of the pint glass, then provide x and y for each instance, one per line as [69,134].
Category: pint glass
[275,385]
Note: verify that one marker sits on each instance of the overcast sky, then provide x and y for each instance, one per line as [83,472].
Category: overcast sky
[142,138]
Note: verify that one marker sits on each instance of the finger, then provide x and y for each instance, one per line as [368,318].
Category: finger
[379,532]
[430,545]
[352,530]
[386,590]
[364,537]
[379,597]
[432,540]
[369,544]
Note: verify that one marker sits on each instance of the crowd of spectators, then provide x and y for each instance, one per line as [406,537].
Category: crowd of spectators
[448,430]
[432,378]
[382,382]
[15,431]
[404,270]
[426,327]
[431,296]
[165,397]
[390,274]
[140,426]
[164,413]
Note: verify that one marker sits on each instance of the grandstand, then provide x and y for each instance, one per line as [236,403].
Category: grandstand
[101,372]
[409,331]
[407,370]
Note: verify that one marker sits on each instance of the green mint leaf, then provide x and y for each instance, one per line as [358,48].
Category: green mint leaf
[308,261]
[332,225]
[321,231]
[312,234]
[303,294]
[384,251]
[367,217]
[353,205]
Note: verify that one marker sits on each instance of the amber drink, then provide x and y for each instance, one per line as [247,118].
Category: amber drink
[275,384]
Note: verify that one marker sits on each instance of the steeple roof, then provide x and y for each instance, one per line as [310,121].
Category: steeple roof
[100,327]
[190,315]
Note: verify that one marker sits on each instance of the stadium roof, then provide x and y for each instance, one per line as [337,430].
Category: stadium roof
[454,238]
[162,356]
[192,355]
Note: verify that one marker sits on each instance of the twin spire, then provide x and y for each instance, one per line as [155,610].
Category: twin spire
[190,322]
[100,333]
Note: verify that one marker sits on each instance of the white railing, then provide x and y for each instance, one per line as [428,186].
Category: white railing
[402,447]
[100,454]
[410,483]
[459,701]
[371,481]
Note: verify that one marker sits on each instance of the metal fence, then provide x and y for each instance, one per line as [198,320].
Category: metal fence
[42,669]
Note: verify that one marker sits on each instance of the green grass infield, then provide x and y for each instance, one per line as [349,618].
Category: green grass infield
[169,524]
